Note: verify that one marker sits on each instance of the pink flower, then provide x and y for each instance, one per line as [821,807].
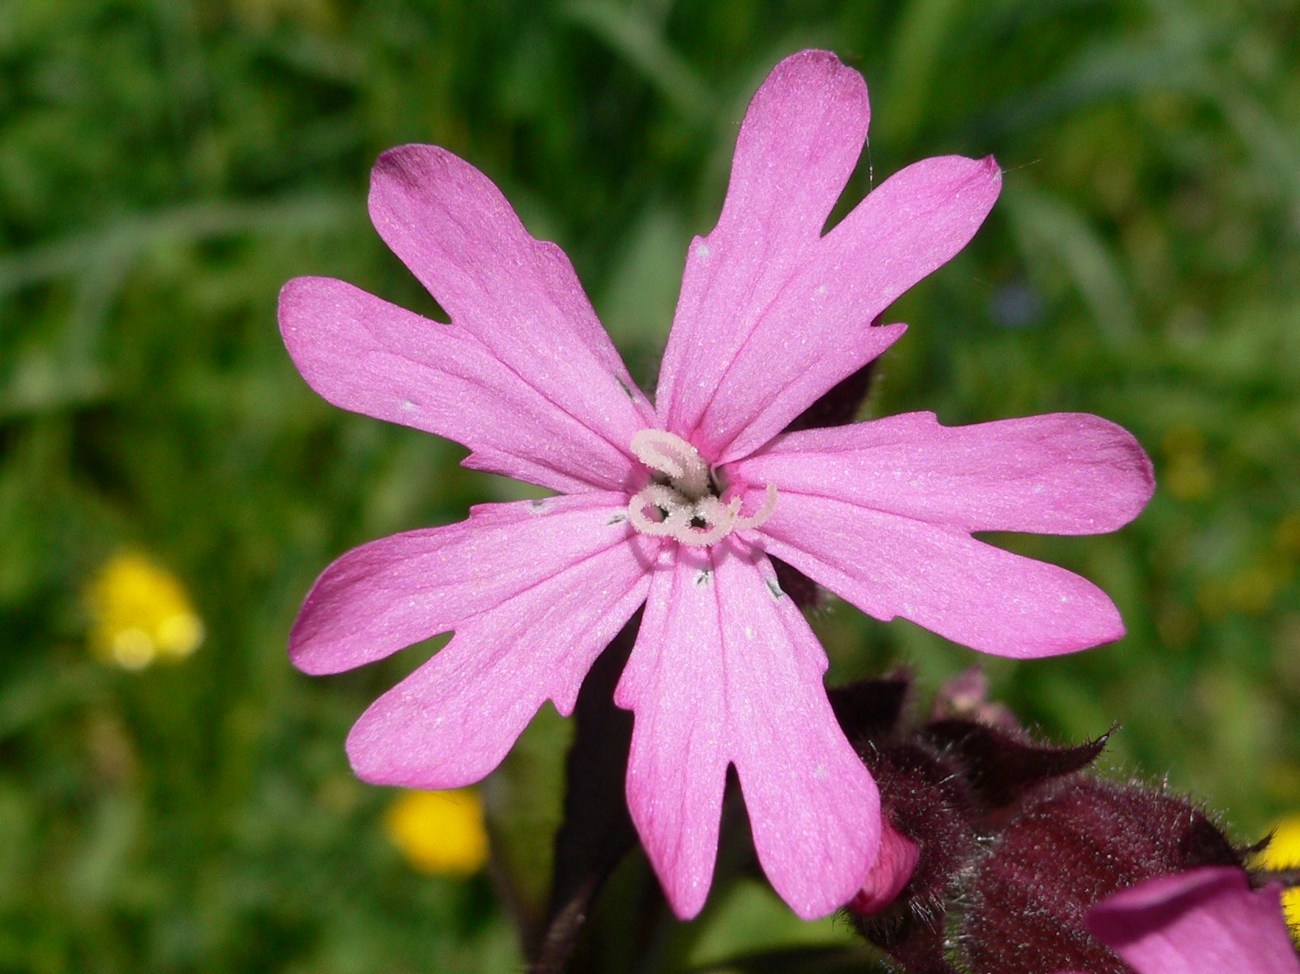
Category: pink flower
[676,505]
[1195,922]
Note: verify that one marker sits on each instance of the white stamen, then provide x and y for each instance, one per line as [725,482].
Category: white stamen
[762,514]
[657,496]
[718,516]
[687,508]
[669,454]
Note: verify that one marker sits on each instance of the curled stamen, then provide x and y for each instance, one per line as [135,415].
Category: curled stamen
[666,500]
[686,508]
[762,514]
[720,519]
[669,454]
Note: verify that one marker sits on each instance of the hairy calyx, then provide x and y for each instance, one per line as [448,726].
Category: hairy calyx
[682,501]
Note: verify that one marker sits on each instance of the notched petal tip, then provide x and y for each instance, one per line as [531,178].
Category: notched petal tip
[1140,469]
[380,759]
[425,189]
[293,302]
[408,164]
[396,753]
[1095,622]
[368,764]
[951,190]
[983,177]
[685,895]
[815,66]
[1134,478]
[992,173]
[810,56]
[303,652]
[310,311]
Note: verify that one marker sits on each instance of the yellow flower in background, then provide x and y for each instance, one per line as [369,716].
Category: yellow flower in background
[140,612]
[1283,852]
[439,832]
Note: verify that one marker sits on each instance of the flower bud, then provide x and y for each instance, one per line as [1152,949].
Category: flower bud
[1065,850]
[890,874]
[925,800]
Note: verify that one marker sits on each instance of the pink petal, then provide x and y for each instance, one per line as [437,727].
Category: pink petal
[364,354]
[453,720]
[940,578]
[1198,921]
[891,873]
[771,313]
[797,147]
[516,295]
[726,670]
[1065,473]
[394,592]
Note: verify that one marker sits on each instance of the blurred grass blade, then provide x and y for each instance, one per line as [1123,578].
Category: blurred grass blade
[127,237]
[630,32]
[915,58]
[1046,225]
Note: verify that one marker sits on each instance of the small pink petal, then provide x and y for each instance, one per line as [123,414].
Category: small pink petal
[396,591]
[516,295]
[364,354]
[940,578]
[1196,922]
[894,867]
[454,719]
[1064,473]
[726,670]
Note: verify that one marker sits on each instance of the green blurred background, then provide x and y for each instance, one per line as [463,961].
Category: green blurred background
[165,166]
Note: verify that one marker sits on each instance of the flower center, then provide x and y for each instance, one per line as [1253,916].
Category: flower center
[682,501]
